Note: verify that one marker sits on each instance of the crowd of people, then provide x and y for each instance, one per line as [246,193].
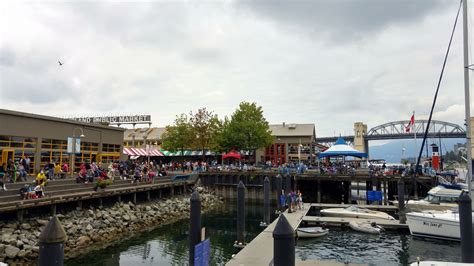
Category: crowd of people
[292,201]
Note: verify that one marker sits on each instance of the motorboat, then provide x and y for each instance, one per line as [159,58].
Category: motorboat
[439,263]
[309,232]
[435,224]
[355,212]
[365,227]
[439,198]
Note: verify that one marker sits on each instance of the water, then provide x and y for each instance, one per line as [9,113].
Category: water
[168,245]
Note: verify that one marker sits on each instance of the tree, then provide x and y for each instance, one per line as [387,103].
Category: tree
[247,129]
[204,126]
[179,135]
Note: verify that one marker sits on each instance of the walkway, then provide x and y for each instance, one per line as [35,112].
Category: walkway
[260,250]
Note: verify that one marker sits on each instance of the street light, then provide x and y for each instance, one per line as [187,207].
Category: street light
[73,163]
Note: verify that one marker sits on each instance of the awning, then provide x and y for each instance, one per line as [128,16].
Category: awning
[187,153]
[231,154]
[141,152]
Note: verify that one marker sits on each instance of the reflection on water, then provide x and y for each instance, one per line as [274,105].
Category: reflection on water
[168,245]
[388,248]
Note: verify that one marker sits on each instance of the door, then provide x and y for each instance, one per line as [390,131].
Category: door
[7,154]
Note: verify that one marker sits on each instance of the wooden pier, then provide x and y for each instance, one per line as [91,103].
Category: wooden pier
[260,250]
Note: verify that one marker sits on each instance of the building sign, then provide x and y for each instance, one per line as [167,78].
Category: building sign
[126,119]
[73,145]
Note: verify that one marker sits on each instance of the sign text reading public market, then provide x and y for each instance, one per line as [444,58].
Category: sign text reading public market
[126,119]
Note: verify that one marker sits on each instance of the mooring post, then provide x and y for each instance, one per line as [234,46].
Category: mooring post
[401,201]
[172,190]
[148,195]
[53,210]
[79,204]
[385,200]
[287,184]
[101,203]
[134,198]
[51,244]
[465,224]
[119,198]
[279,188]
[318,196]
[283,243]
[241,213]
[266,201]
[195,225]
[19,215]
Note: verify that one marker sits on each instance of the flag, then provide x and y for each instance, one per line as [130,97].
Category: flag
[410,124]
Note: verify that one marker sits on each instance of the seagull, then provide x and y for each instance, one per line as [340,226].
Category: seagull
[60,63]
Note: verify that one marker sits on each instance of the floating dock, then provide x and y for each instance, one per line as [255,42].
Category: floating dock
[260,250]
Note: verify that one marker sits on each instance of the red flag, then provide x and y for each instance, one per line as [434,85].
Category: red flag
[410,124]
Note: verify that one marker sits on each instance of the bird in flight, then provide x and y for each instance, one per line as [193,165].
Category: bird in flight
[60,63]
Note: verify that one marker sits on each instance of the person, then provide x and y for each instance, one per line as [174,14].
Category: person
[57,170]
[21,169]
[282,202]
[137,175]
[300,200]
[3,177]
[41,178]
[39,191]
[64,170]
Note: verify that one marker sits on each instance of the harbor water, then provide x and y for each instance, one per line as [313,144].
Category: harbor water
[168,245]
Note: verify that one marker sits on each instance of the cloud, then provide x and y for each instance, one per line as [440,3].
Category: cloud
[340,22]
[331,63]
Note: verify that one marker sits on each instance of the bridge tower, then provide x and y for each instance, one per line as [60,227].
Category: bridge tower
[360,144]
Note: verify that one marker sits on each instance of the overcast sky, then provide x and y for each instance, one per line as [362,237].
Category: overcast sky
[330,63]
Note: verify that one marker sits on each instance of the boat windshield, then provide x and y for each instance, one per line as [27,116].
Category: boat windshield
[356,209]
[441,199]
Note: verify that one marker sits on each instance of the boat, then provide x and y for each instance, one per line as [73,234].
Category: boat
[355,212]
[435,224]
[439,198]
[438,263]
[365,227]
[309,232]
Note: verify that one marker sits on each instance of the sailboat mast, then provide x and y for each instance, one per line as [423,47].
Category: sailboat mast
[467,98]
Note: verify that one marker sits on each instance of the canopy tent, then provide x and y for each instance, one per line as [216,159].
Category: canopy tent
[142,152]
[340,148]
[231,154]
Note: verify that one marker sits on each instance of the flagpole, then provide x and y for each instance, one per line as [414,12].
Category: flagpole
[414,134]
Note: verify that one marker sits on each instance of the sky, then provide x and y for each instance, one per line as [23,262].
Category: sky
[330,63]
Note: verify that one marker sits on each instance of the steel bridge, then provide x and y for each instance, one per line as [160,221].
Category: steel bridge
[396,130]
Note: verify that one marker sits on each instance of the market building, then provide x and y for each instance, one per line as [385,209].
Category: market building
[293,143]
[44,139]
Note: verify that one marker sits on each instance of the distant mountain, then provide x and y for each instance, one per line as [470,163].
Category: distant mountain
[391,151]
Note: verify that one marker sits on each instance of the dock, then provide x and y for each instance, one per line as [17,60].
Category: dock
[259,251]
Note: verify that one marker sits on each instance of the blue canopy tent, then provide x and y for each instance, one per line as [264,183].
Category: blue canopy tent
[340,148]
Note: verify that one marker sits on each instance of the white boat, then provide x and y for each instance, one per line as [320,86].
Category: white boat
[308,232]
[439,263]
[439,198]
[355,212]
[365,227]
[440,225]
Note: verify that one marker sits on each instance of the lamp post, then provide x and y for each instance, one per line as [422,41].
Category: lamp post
[73,163]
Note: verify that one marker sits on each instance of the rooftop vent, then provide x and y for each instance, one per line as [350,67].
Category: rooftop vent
[291,126]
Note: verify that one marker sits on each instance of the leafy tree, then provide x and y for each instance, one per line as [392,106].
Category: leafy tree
[179,135]
[204,126]
[247,129]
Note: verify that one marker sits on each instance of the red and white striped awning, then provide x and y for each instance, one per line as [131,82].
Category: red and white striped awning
[141,152]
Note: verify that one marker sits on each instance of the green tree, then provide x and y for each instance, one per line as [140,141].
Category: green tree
[179,135]
[204,126]
[247,129]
